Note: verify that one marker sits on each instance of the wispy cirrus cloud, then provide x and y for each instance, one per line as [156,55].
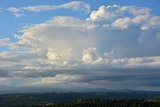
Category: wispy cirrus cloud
[74,5]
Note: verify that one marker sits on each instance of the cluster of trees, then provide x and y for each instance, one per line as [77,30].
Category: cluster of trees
[89,103]
[106,99]
[105,103]
[94,103]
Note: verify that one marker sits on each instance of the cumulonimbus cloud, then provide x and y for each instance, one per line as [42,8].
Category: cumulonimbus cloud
[110,48]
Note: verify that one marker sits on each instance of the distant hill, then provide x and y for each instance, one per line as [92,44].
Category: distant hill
[23,89]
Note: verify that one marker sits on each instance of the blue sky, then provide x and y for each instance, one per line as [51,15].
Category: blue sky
[10,24]
[85,44]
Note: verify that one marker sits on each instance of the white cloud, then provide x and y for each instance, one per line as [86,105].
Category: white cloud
[135,10]
[103,13]
[13,9]
[4,41]
[57,45]
[153,61]
[124,16]
[69,50]
[125,22]
[55,55]
[88,41]
[89,55]
[59,78]
[77,5]
[122,23]
[74,5]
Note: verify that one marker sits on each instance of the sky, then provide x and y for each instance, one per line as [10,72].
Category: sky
[85,44]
